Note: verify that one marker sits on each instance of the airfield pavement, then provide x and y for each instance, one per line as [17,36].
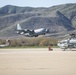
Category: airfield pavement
[37,61]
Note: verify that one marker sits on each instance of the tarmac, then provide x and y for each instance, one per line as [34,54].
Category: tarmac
[37,61]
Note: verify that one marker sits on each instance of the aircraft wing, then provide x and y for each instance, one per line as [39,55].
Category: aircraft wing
[31,33]
[23,31]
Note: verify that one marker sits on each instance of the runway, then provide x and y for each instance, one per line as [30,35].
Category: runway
[37,61]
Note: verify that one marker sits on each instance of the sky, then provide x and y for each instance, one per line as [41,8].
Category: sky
[35,3]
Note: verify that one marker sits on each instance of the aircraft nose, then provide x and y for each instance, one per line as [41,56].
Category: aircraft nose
[47,30]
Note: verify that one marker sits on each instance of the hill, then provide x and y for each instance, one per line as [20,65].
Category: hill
[60,18]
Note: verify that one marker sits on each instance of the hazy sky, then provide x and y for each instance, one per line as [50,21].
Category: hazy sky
[35,3]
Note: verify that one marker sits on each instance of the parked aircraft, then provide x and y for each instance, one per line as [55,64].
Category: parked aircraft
[4,45]
[68,43]
[31,33]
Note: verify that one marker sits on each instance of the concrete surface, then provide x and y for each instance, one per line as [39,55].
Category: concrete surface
[37,61]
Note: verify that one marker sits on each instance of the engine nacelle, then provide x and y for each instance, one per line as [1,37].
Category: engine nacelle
[22,33]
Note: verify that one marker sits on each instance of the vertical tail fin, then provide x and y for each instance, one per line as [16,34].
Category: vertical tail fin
[7,42]
[19,27]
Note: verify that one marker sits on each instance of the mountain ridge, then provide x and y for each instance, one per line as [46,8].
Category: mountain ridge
[60,18]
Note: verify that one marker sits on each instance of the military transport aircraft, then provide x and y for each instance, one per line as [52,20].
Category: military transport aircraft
[31,33]
[68,43]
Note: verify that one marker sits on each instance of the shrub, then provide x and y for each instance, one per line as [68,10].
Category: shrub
[38,41]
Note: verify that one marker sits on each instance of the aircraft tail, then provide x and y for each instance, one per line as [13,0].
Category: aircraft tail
[7,42]
[19,27]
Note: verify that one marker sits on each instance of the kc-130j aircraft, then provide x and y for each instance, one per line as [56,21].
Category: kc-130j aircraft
[31,33]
